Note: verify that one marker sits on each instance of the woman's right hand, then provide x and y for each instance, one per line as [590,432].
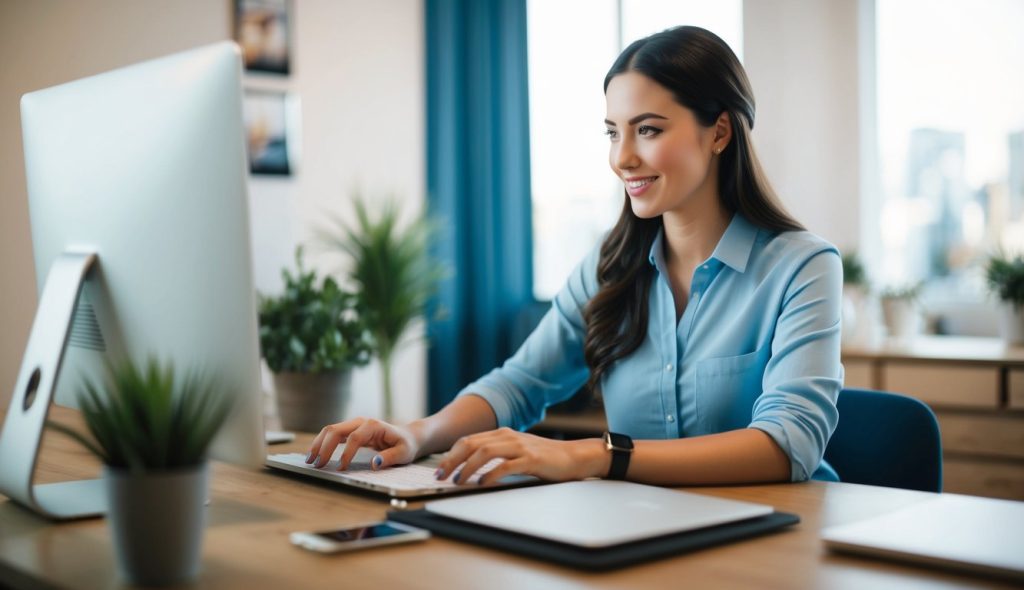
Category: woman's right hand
[397,444]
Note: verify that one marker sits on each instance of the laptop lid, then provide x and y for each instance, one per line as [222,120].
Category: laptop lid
[961,532]
[596,513]
[403,481]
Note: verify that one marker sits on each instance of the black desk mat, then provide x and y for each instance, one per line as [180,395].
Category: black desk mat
[601,559]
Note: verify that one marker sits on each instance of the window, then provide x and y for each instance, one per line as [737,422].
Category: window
[571,45]
[950,113]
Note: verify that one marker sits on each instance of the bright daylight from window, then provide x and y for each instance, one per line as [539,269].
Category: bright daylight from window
[576,197]
[950,104]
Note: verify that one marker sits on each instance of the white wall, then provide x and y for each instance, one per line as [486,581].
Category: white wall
[802,60]
[358,71]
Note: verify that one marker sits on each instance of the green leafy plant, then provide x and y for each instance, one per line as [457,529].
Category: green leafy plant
[312,327]
[853,271]
[1006,278]
[144,419]
[910,292]
[394,273]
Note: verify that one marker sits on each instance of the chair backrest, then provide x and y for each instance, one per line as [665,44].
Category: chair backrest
[886,439]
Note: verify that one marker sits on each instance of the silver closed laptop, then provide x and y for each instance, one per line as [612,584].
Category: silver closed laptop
[981,535]
[596,513]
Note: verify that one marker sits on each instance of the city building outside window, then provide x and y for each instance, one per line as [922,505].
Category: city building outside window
[950,129]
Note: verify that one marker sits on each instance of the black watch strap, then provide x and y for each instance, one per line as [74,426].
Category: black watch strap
[621,448]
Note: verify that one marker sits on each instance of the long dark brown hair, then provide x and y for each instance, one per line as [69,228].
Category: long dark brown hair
[705,76]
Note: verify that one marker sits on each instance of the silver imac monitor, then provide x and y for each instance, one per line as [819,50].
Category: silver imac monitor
[140,228]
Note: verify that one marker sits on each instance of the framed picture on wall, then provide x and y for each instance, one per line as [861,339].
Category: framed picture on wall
[271,130]
[263,30]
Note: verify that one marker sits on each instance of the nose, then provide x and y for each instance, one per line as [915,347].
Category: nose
[624,155]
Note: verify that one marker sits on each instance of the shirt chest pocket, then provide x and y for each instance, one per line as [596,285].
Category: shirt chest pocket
[727,388]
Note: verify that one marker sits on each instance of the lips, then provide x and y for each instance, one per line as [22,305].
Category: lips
[638,185]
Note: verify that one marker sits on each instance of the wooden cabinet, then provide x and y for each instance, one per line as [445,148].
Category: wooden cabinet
[946,385]
[859,374]
[975,386]
[1015,387]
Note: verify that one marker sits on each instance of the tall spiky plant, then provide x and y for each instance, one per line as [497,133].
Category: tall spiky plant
[393,272]
[143,419]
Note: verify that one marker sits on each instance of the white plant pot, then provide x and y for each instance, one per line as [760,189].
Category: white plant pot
[902,319]
[309,401]
[156,522]
[854,318]
[1013,324]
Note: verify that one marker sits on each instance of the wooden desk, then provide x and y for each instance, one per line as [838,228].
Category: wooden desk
[252,512]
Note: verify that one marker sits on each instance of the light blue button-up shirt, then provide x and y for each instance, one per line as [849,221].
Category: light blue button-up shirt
[757,347]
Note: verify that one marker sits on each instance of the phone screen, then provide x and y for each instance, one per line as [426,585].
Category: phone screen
[363,532]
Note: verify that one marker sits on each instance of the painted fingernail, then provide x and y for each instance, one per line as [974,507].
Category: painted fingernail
[377,461]
[455,478]
[309,458]
[439,474]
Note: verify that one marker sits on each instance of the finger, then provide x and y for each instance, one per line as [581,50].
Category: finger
[467,445]
[487,452]
[314,449]
[508,467]
[396,455]
[455,456]
[358,439]
[331,441]
[343,428]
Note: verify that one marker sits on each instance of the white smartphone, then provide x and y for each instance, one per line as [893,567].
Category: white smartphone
[359,537]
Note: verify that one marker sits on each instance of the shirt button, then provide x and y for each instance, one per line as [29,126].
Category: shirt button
[670,417]
[668,367]
[705,267]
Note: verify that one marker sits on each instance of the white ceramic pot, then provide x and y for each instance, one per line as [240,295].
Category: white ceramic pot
[156,521]
[902,319]
[853,316]
[309,401]
[1013,324]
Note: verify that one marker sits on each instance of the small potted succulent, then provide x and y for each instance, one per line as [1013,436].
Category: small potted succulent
[311,336]
[394,272]
[1006,279]
[152,429]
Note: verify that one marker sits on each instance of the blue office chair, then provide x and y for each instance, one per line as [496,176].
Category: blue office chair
[886,439]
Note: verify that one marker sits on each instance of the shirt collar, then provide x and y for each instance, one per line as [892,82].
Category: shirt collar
[733,248]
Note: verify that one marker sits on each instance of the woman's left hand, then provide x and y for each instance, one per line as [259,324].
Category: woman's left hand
[528,454]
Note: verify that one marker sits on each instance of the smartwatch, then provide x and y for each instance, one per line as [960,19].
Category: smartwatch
[621,448]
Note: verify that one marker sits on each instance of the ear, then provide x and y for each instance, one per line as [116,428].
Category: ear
[723,133]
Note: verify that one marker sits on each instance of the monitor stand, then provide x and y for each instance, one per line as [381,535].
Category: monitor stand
[33,394]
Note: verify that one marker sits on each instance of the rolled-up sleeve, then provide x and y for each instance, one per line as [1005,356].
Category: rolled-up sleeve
[549,367]
[802,379]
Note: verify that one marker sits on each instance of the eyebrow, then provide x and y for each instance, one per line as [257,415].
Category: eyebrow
[639,118]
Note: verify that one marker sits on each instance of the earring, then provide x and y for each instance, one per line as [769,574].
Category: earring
[718,151]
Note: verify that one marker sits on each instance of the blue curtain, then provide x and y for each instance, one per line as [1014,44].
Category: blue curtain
[478,184]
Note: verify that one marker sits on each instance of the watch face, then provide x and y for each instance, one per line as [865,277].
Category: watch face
[619,441]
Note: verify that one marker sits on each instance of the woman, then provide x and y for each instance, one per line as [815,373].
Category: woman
[708,319]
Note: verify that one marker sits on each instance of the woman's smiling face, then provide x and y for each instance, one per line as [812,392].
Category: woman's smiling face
[658,148]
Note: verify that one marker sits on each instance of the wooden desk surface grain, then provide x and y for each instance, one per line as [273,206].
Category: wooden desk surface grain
[252,512]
